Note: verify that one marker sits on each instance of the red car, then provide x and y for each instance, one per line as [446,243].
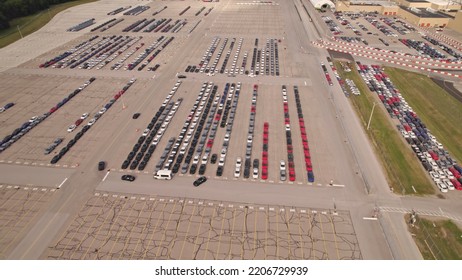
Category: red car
[456,184]
[78,122]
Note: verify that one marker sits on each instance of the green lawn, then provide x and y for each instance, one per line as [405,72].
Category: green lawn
[440,112]
[32,23]
[402,167]
[441,240]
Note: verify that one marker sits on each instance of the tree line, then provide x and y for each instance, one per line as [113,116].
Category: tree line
[10,9]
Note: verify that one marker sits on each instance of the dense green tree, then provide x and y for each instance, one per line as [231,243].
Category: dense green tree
[10,9]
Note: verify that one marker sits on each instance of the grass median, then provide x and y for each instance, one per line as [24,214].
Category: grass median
[30,24]
[403,170]
[437,240]
[440,112]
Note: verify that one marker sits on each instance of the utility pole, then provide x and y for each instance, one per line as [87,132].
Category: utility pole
[19,31]
[370,118]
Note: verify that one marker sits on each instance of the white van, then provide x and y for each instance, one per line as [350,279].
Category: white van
[164,174]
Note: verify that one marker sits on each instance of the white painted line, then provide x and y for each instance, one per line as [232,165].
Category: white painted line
[341,186]
[292,210]
[414,189]
[133,197]
[18,162]
[161,200]
[314,211]
[152,198]
[324,212]
[282,210]
[105,194]
[303,211]
[271,209]
[97,194]
[370,218]
[105,176]
[190,202]
[114,195]
[62,183]
[271,181]
[143,198]
[44,190]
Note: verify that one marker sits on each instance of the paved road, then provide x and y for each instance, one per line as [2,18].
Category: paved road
[365,187]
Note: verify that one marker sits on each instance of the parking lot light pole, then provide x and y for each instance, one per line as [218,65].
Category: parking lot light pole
[370,117]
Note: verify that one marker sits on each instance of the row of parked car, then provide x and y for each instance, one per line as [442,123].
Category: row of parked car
[326,74]
[118,10]
[306,148]
[264,155]
[144,148]
[423,48]
[81,25]
[73,126]
[35,120]
[457,56]
[184,11]
[86,127]
[249,143]
[155,46]
[290,151]
[337,76]
[333,27]
[6,107]
[381,27]
[442,168]
[53,145]
[127,55]
[136,10]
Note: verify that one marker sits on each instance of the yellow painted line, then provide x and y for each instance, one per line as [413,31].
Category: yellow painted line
[302,244]
[310,234]
[266,232]
[176,229]
[144,228]
[166,228]
[131,230]
[255,235]
[210,231]
[277,235]
[154,230]
[187,231]
[335,238]
[231,235]
[221,232]
[122,228]
[288,236]
[323,237]
[244,232]
[20,220]
[195,238]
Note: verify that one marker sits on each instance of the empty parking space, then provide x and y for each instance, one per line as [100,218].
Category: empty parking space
[115,226]
[20,205]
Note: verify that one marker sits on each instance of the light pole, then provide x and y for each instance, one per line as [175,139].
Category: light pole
[19,31]
[370,117]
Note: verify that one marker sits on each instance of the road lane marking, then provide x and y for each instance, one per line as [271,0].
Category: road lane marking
[62,183]
[107,173]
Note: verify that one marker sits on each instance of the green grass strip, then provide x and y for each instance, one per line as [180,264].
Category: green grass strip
[441,240]
[32,23]
[402,167]
[440,112]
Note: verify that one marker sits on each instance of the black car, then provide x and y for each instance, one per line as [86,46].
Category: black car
[181,76]
[101,165]
[202,169]
[136,115]
[213,159]
[199,181]
[219,171]
[130,178]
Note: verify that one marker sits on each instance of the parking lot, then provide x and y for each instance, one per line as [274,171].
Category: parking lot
[123,226]
[20,206]
[388,33]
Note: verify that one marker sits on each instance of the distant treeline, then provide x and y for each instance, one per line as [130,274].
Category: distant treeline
[10,9]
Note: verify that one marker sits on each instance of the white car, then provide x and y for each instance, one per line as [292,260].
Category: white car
[435,176]
[102,111]
[84,116]
[71,128]
[255,173]
[287,127]
[238,162]
[91,122]
[221,162]
[249,139]
[33,119]
[448,174]
[282,165]
[196,159]
[443,188]
[448,184]
[146,132]
[237,172]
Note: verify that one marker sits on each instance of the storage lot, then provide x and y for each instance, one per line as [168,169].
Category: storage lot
[377,33]
[20,206]
[122,226]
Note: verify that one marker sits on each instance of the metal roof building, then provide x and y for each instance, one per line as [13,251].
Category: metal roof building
[322,4]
